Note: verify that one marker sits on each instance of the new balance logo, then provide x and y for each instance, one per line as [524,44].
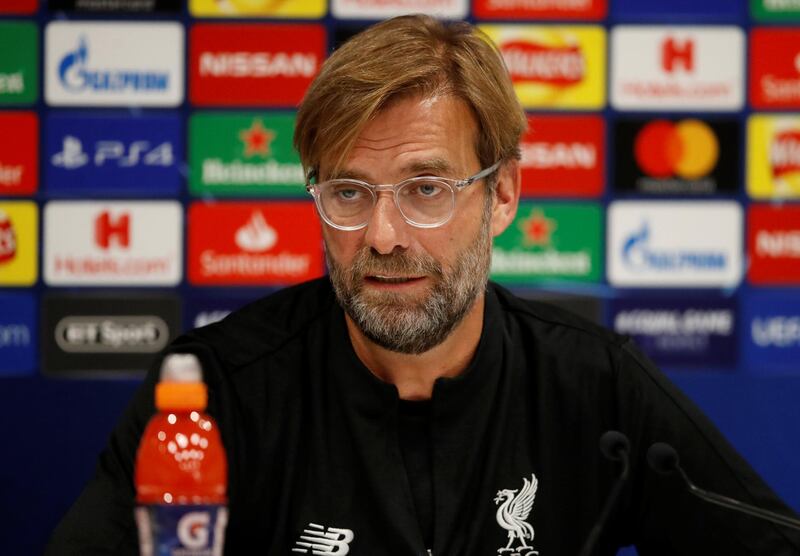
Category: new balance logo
[318,540]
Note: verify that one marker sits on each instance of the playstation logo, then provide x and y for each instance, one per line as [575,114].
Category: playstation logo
[71,155]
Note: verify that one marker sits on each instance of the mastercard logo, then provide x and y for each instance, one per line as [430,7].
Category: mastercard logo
[688,149]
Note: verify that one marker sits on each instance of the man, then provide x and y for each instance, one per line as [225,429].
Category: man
[406,405]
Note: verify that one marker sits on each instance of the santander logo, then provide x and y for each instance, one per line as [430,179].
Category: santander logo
[256,236]
[553,65]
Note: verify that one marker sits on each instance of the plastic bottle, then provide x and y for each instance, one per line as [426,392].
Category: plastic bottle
[181,470]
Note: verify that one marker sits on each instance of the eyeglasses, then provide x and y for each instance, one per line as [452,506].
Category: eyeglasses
[424,202]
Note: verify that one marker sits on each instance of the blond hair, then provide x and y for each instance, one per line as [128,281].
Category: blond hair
[408,55]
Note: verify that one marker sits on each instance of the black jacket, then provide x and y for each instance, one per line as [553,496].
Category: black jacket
[311,437]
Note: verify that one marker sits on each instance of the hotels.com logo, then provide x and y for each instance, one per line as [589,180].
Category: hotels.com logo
[560,66]
[677,67]
[121,243]
[108,230]
[677,55]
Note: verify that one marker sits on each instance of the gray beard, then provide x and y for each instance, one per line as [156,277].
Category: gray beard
[411,326]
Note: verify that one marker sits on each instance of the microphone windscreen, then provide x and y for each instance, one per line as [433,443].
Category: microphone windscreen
[662,458]
[613,444]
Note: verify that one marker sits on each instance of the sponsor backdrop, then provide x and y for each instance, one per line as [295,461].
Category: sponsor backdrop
[148,184]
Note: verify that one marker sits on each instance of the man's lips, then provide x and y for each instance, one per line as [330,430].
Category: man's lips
[380,279]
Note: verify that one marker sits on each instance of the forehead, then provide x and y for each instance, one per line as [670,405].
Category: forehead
[414,134]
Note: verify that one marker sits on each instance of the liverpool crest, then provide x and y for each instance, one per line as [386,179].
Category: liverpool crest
[512,515]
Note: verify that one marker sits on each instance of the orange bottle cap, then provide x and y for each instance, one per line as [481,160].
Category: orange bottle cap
[181,396]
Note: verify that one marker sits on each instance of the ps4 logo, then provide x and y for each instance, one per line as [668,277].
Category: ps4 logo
[72,155]
[75,75]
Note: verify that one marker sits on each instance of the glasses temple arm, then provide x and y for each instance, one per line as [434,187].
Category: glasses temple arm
[483,173]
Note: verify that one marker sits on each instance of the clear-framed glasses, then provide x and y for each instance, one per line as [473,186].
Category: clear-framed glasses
[424,202]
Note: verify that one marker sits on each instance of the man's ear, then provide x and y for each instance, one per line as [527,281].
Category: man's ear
[506,196]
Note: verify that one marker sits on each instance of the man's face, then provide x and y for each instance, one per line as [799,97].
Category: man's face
[406,288]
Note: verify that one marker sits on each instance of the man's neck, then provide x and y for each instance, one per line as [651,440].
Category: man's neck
[415,375]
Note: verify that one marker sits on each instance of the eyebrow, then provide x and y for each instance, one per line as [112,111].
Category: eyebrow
[437,166]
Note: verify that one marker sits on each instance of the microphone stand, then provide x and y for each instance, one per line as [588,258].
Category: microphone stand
[732,504]
[615,446]
[663,458]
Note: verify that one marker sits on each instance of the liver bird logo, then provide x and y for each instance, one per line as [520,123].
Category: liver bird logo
[512,515]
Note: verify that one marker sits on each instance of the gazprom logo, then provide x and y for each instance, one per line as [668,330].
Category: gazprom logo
[76,75]
[637,254]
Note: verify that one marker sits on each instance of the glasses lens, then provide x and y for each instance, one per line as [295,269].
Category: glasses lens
[425,201]
[346,203]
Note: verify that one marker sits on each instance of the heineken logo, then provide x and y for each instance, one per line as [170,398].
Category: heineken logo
[549,242]
[244,154]
[256,139]
[776,10]
[12,83]
[19,63]
[537,229]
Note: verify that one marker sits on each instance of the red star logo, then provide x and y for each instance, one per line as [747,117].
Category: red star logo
[537,229]
[257,139]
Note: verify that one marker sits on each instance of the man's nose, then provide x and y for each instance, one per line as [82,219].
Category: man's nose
[386,229]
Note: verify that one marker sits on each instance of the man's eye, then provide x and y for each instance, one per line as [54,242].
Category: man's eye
[426,189]
[348,193]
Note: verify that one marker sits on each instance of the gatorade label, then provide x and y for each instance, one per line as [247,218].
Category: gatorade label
[176,530]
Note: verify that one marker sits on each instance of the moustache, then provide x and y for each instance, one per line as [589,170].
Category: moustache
[367,263]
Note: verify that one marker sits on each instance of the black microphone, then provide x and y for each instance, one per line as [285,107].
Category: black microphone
[664,459]
[615,446]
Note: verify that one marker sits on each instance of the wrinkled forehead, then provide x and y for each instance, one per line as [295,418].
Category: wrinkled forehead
[435,133]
